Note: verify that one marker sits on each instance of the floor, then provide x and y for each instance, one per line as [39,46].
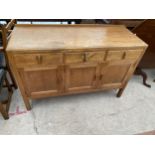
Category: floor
[92,113]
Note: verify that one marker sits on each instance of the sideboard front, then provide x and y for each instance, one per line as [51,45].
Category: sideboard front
[45,74]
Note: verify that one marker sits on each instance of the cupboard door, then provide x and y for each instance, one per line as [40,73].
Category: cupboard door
[42,81]
[114,73]
[80,77]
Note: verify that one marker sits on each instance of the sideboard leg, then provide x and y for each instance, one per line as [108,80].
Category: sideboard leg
[144,76]
[121,90]
[3,111]
[26,100]
[27,104]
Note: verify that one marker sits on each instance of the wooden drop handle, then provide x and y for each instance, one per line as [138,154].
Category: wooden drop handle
[101,76]
[94,79]
[39,59]
[84,57]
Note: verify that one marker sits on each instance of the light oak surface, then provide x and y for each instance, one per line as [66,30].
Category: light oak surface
[47,37]
[53,60]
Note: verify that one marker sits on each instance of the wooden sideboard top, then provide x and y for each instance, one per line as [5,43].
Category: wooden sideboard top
[61,37]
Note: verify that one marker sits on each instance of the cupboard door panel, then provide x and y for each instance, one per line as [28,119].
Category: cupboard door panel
[114,73]
[41,80]
[81,77]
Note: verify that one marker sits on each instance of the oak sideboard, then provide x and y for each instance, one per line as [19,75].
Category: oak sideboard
[53,60]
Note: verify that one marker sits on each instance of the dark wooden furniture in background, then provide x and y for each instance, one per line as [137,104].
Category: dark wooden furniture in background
[68,21]
[5,31]
[129,23]
[133,25]
[54,60]
[4,105]
[146,31]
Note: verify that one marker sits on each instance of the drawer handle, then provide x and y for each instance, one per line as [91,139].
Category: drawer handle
[39,59]
[94,79]
[101,76]
[59,79]
[84,57]
[124,55]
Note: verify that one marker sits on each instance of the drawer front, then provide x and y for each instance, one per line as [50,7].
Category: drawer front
[45,59]
[124,54]
[51,59]
[25,59]
[133,54]
[22,60]
[84,57]
[96,56]
[74,57]
[115,55]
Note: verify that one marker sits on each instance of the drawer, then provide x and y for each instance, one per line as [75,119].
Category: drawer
[123,54]
[96,56]
[133,54]
[74,57]
[51,59]
[84,57]
[38,59]
[115,55]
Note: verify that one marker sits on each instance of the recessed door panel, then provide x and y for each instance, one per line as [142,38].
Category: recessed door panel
[114,73]
[80,77]
[37,80]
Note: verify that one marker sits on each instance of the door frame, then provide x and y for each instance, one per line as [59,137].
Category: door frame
[126,75]
[37,94]
[80,65]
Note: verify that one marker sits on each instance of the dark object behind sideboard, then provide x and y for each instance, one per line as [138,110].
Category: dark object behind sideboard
[146,31]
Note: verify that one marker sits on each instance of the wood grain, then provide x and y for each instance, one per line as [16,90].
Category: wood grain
[90,58]
[47,37]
